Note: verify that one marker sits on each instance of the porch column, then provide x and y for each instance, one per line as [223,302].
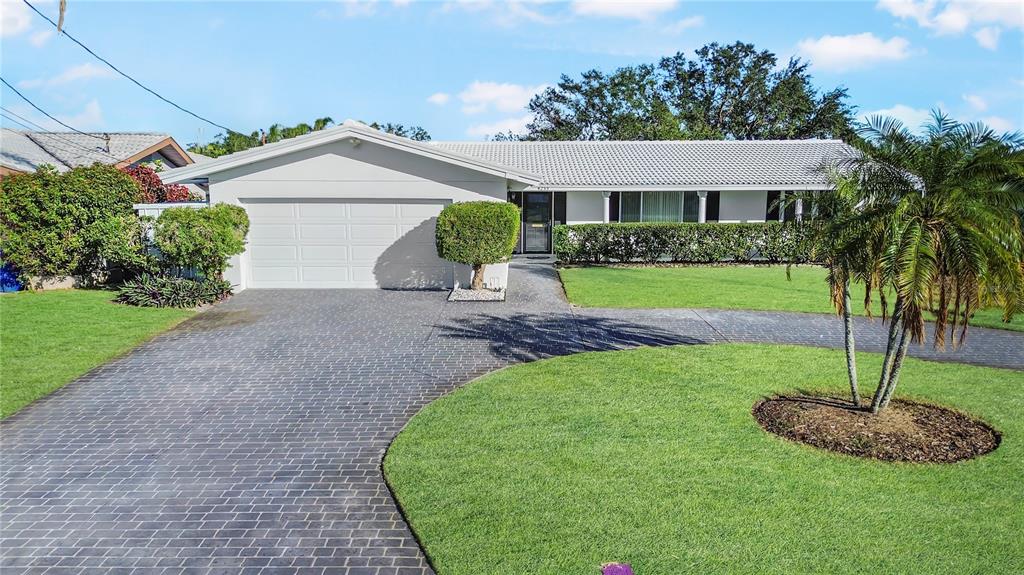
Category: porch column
[782,206]
[607,206]
[702,207]
[799,209]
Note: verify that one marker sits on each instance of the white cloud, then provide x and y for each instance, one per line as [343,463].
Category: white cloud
[912,118]
[839,53]
[998,124]
[909,9]
[975,101]
[638,10]
[401,2]
[440,98]
[73,74]
[90,117]
[503,97]
[359,8]
[955,17]
[515,125]
[508,13]
[988,37]
[14,18]
[684,24]
[40,38]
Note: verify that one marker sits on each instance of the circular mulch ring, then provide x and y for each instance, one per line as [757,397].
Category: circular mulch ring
[904,431]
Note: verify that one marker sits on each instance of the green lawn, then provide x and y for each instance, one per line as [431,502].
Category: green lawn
[725,287]
[48,339]
[651,456]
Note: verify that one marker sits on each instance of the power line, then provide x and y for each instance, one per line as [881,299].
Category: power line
[41,131]
[118,70]
[47,114]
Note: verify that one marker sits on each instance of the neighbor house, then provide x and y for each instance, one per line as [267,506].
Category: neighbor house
[354,207]
[27,151]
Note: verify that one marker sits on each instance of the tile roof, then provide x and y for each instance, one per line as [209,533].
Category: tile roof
[18,152]
[26,151]
[663,163]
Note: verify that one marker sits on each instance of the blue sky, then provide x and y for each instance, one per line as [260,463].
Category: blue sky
[464,70]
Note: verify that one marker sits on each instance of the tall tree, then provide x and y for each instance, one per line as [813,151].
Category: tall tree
[730,91]
[945,207]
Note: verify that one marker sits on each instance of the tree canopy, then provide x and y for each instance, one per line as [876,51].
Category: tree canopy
[724,92]
[232,142]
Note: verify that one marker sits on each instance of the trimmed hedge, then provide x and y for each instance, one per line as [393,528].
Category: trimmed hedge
[477,233]
[772,242]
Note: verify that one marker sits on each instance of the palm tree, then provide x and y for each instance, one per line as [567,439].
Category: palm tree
[944,209]
[321,123]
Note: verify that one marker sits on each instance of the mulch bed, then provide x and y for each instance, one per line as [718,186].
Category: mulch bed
[904,431]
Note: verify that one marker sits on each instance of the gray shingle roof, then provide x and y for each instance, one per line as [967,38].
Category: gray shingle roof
[665,163]
[19,152]
[26,151]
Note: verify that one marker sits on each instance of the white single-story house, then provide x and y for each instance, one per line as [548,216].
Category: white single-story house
[351,206]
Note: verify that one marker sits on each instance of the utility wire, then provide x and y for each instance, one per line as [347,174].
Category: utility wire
[118,70]
[47,114]
[40,131]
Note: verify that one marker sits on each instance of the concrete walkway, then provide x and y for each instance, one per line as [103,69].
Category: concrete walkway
[249,439]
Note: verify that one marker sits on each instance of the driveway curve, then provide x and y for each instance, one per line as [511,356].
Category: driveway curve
[249,439]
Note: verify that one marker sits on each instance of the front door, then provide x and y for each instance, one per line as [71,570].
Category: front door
[536,222]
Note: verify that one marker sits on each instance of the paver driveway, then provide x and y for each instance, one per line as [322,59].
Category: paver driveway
[250,438]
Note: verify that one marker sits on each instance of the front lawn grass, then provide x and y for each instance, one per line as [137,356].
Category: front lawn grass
[651,456]
[724,287]
[50,338]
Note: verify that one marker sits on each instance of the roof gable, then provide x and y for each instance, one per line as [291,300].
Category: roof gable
[357,133]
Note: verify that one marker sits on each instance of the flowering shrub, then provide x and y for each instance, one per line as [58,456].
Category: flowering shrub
[153,190]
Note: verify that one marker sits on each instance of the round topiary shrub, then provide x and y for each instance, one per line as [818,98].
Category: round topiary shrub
[477,234]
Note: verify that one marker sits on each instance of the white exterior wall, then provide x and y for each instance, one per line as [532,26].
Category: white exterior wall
[742,206]
[584,208]
[366,171]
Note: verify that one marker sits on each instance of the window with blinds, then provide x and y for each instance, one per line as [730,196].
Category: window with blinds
[658,206]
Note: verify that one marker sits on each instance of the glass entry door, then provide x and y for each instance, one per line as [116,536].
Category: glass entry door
[536,237]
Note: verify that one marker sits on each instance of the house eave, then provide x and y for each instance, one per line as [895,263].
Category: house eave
[690,188]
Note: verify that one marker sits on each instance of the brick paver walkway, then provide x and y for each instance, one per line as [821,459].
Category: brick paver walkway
[250,438]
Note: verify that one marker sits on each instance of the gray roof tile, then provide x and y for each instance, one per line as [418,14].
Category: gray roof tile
[663,163]
[26,151]
[19,152]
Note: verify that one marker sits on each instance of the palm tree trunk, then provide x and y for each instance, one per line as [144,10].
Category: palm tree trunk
[891,346]
[851,359]
[894,377]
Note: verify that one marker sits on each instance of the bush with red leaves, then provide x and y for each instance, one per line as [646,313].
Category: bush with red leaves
[153,190]
[176,193]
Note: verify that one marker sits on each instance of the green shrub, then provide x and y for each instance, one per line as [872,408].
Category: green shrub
[675,242]
[477,234]
[72,223]
[168,291]
[202,239]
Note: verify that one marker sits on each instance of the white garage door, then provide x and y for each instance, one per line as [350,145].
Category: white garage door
[345,244]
